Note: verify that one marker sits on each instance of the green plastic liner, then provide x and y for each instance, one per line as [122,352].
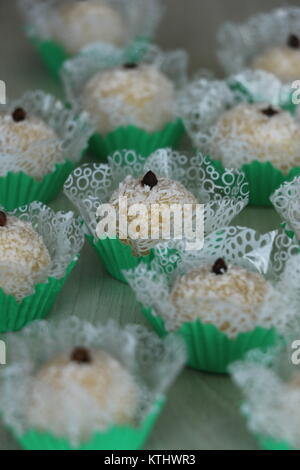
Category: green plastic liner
[116,256]
[268,443]
[209,349]
[116,438]
[15,315]
[19,189]
[263,180]
[134,138]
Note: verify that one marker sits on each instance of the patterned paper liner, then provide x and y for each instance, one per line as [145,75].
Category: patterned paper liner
[273,255]
[153,363]
[39,172]
[224,193]
[286,201]
[271,397]
[142,18]
[62,235]
[204,100]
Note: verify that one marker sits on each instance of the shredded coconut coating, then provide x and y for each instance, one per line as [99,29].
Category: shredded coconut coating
[140,96]
[23,257]
[245,131]
[284,62]
[35,139]
[77,24]
[97,395]
[201,294]
[167,192]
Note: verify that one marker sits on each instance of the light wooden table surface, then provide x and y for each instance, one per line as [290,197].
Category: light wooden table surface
[203,409]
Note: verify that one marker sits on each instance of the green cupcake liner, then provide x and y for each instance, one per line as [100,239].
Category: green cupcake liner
[15,315]
[134,138]
[209,349]
[116,438]
[263,180]
[116,256]
[267,443]
[18,189]
[53,55]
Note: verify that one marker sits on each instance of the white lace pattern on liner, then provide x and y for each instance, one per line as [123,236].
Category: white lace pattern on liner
[67,137]
[63,237]
[240,43]
[286,201]
[274,256]
[270,385]
[246,134]
[224,195]
[154,364]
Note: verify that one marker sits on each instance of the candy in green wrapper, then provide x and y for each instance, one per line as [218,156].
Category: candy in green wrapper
[218,299]
[39,248]
[115,389]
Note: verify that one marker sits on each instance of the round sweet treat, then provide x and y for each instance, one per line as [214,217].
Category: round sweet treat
[227,296]
[284,61]
[21,133]
[23,256]
[152,192]
[77,24]
[258,131]
[131,94]
[89,387]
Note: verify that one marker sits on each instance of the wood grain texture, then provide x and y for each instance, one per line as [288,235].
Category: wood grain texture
[203,409]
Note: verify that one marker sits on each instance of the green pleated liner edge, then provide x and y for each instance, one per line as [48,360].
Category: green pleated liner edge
[209,349]
[263,180]
[54,55]
[267,443]
[15,315]
[18,189]
[116,438]
[134,138]
[116,256]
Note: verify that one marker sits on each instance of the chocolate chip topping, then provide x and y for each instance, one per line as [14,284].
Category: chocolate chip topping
[270,111]
[220,267]
[81,355]
[19,115]
[3,219]
[130,65]
[149,180]
[293,41]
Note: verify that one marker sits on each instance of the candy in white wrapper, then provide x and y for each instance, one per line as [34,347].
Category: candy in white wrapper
[286,201]
[270,384]
[74,25]
[267,41]
[47,134]
[223,123]
[144,365]
[116,91]
[37,243]
[254,287]
[224,195]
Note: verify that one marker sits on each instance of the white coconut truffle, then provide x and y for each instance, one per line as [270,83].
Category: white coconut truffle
[258,131]
[30,136]
[24,257]
[154,194]
[87,387]
[282,61]
[130,95]
[76,24]
[227,296]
